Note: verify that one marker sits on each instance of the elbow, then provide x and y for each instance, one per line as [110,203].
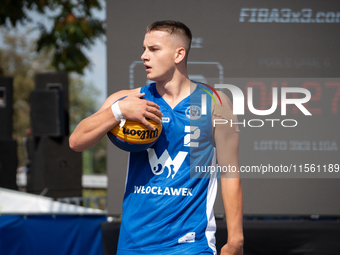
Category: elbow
[74,145]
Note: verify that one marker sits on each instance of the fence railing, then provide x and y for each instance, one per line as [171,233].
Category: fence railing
[89,202]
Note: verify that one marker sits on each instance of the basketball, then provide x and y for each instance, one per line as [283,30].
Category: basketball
[134,136]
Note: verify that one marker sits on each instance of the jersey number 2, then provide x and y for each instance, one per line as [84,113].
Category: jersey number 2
[194,133]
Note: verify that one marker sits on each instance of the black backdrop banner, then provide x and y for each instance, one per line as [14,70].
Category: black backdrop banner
[259,44]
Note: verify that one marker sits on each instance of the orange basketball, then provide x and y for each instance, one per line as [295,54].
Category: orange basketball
[135,136]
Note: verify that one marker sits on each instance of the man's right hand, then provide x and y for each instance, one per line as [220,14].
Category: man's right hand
[134,108]
[92,129]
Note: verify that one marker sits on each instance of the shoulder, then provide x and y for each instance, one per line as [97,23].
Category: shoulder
[117,95]
[223,103]
[225,100]
[224,111]
[122,93]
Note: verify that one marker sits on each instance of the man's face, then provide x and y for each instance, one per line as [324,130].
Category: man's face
[159,55]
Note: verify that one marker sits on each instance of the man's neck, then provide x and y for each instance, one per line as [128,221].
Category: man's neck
[176,90]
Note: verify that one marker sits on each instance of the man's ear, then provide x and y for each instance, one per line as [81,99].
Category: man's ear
[180,55]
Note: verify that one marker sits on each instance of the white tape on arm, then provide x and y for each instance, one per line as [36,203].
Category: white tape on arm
[118,114]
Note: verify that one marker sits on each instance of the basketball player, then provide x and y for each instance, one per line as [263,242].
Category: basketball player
[167,207]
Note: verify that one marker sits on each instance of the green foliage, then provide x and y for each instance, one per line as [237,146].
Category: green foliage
[96,193]
[74,28]
[83,104]
[82,98]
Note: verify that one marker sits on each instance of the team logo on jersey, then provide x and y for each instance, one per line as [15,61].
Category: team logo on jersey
[158,165]
[193,112]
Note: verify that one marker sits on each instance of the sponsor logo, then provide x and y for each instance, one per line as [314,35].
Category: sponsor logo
[161,191]
[165,119]
[143,134]
[197,42]
[285,15]
[295,145]
[188,238]
[158,165]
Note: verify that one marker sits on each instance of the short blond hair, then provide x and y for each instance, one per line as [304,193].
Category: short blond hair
[172,27]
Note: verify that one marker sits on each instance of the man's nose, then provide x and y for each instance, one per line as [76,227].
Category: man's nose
[144,56]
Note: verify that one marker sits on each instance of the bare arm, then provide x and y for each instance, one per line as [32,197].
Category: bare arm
[92,129]
[227,144]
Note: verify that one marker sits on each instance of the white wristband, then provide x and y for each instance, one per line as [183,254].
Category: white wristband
[118,114]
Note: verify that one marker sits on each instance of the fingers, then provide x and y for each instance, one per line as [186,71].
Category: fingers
[154,114]
[149,103]
[133,108]
[153,104]
[153,117]
[140,95]
[148,124]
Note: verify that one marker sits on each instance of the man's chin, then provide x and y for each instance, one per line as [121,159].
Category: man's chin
[151,78]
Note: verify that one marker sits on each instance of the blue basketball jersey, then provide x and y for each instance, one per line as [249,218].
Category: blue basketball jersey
[167,209]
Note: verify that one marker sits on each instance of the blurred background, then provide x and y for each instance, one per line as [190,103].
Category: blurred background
[52,75]
[55,36]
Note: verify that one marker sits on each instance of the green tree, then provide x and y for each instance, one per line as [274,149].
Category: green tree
[74,28]
[83,104]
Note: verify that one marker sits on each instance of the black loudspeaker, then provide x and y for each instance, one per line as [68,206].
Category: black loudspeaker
[8,164]
[51,81]
[47,114]
[55,170]
[6,107]
[110,235]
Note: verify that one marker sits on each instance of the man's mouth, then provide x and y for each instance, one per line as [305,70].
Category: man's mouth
[148,68]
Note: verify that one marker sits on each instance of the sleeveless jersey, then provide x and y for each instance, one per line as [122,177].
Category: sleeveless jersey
[167,207]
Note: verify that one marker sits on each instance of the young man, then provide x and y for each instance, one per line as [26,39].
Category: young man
[166,210]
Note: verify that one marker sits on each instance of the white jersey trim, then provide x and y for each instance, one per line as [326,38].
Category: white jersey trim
[127,172]
[211,196]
